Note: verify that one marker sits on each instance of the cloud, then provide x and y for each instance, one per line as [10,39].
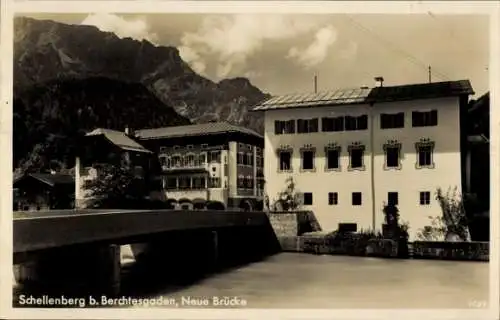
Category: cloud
[137,28]
[234,39]
[350,51]
[317,51]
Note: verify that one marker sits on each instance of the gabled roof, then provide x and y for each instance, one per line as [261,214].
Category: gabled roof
[50,179]
[368,95]
[200,129]
[120,139]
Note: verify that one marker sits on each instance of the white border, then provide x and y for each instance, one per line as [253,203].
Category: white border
[398,7]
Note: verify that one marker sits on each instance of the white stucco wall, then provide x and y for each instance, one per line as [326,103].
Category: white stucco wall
[408,181]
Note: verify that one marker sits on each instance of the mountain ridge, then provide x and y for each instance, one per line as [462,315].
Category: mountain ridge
[45,50]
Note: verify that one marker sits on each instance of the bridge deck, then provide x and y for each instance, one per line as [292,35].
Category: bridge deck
[44,230]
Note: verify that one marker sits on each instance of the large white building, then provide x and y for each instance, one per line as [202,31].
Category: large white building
[352,150]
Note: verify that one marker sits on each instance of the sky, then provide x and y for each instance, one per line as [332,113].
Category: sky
[281,54]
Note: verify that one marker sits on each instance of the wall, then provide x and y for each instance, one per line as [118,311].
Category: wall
[321,182]
[445,174]
[409,181]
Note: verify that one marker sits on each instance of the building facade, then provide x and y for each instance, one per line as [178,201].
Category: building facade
[207,163]
[43,191]
[104,146]
[350,152]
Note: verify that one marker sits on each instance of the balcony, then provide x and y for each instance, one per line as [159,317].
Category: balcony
[186,167]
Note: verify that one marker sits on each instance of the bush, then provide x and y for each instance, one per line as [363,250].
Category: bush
[452,222]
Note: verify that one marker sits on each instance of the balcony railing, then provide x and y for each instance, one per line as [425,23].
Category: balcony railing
[189,166]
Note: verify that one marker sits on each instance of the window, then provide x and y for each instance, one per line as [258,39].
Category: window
[308,198]
[199,182]
[333,198]
[202,159]
[214,182]
[190,160]
[240,158]
[204,146]
[176,161]
[356,123]
[356,198]
[214,156]
[163,149]
[392,121]
[307,125]
[424,119]
[163,161]
[332,158]
[425,150]
[284,127]
[285,160]
[171,183]
[177,147]
[241,181]
[258,161]
[425,198]
[356,155]
[392,198]
[249,182]
[249,159]
[332,124]
[392,152]
[307,162]
[184,182]
[189,146]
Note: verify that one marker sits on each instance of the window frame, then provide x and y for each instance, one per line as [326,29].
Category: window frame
[393,193]
[304,198]
[334,148]
[392,144]
[333,198]
[354,147]
[424,198]
[281,151]
[392,120]
[353,194]
[428,118]
[425,143]
[302,152]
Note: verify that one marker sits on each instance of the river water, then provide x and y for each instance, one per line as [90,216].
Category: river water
[295,280]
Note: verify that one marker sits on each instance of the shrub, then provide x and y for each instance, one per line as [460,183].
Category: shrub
[288,199]
[453,220]
[393,229]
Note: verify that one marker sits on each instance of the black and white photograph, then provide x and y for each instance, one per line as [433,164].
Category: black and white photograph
[172,160]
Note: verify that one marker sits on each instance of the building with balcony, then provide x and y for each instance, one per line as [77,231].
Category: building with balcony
[350,151]
[208,163]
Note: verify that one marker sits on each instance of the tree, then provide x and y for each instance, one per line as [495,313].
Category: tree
[116,187]
[393,228]
[452,224]
[288,199]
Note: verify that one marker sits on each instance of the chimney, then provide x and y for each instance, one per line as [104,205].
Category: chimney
[128,132]
[379,81]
